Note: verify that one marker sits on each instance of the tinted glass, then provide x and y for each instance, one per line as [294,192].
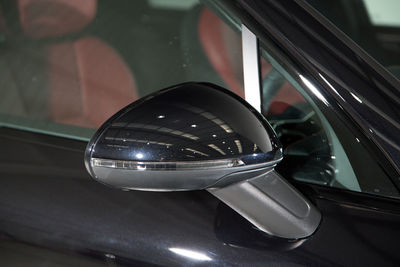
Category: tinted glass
[67,66]
[374,25]
[315,149]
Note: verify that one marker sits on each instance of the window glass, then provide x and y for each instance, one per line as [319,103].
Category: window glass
[383,12]
[313,152]
[67,66]
[374,25]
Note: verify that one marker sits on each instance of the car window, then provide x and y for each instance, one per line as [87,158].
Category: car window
[373,25]
[66,67]
[315,151]
[383,13]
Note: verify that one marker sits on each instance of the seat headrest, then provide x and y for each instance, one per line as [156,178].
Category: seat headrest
[52,18]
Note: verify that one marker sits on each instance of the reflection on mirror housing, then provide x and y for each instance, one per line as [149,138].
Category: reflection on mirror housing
[199,136]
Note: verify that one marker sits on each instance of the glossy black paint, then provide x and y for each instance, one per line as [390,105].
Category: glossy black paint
[50,202]
[187,122]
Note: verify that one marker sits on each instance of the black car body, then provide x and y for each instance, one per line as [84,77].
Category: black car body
[52,212]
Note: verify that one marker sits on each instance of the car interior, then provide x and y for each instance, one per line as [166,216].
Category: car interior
[76,59]
[77,63]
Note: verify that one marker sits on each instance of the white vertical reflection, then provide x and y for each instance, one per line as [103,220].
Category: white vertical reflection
[191,254]
[251,74]
[239,146]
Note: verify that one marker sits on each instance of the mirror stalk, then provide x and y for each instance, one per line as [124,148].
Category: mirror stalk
[272,205]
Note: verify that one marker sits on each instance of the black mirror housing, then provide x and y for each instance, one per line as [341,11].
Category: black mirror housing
[199,130]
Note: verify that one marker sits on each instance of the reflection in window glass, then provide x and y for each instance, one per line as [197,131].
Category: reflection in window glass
[312,150]
[77,63]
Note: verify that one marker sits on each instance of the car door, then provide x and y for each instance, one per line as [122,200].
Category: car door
[52,212]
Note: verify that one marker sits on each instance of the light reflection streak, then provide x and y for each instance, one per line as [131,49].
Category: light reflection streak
[356,97]
[239,146]
[330,85]
[159,129]
[196,151]
[209,116]
[255,147]
[313,89]
[195,255]
[135,140]
[217,149]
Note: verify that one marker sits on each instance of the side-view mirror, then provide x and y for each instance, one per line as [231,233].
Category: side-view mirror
[197,136]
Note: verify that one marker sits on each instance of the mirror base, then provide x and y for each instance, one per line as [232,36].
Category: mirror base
[272,205]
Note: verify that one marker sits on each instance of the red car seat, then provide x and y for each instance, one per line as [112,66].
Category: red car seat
[219,43]
[87,80]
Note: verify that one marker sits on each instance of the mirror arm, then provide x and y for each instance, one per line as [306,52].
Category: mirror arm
[272,205]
